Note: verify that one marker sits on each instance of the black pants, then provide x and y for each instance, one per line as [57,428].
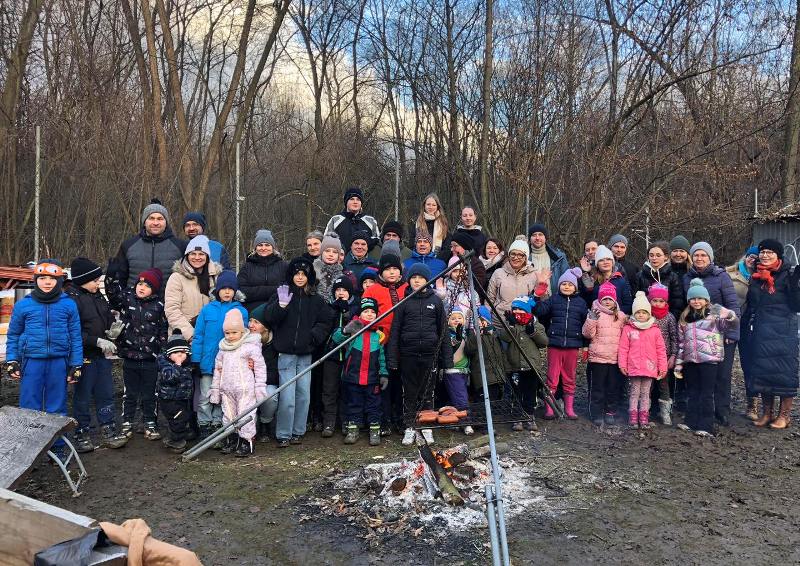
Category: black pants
[523,384]
[417,383]
[604,384]
[700,384]
[331,377]
[139,378]
[722,385]
[178,415]
[316,408]
[362,400]
[392,400]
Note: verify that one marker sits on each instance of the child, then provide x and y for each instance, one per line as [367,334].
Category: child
[602,328]
[457,377]
[237,387]
[327,266]
[144,333]
[300,320]
[530,336]
[493,356]
[268,409]
[642,357]
[368,278]
[96,380]
[456,291]
[175,388]
[564,314]
[659,297]
[207,336]
[364,374]
[44,347]
[416,347]
[700,349]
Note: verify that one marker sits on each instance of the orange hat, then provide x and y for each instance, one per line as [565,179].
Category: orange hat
[48,267]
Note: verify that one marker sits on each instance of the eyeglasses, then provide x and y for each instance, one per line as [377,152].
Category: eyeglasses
[767,252]
[49,269]
[518,255]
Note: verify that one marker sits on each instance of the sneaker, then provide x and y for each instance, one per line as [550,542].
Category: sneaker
[327,432]
[245,449]
[684,426]
[126,429]
[151,432]
[111,439]
[375,435]
[177,446]
[517,427]
[352,434]
[386,430]
[83,442]
[427,434]
[610,418]
[704,434]
[469,431]
[296,440]
[284,443]
[408,437]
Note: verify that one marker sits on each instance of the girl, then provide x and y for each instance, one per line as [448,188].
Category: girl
[236,386]
[642,357]
[455,292]
[457,377]
[667,323]
[605,269]
[433,220]
[700,350]
[602,328]
[327,266]
[657,269]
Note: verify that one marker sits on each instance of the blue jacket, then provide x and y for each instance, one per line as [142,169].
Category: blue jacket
[564,318]
[219,254]
[45,330]
[720,288]
[431,260]
[208,332]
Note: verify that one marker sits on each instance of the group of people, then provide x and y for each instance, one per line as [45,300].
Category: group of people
[391,325]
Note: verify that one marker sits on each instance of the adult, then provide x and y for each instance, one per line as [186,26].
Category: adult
[392,232]
[589,249]
[313,245]
[516,278]
[618,244]
[352,220]
[433,220]
[460,244]
[357,259]
[657,269]
[263,271]
[679,258]
[770,333]
[546,259]
[423,253]
[605,269]
[469,224]
[740,273]
[154,246]
[195,224]
[492,256]
[721,291]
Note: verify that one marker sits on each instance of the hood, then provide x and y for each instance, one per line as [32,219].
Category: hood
[597,305]
[476,228]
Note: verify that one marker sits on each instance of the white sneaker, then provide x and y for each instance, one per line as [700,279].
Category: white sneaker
[704,434]
[685,427]
[427,434]
[468,430]
[408,437]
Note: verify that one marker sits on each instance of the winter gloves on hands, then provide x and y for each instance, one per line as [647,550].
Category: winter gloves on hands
[116,329]
[107,346]
[284,296]
[74,374]
[214,396]
[384,382]
[13,369]
[721,312]
[353,327]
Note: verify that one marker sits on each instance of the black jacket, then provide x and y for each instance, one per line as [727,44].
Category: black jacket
[300,327]
[174,382]
[631,274]
[96,318]
[143,251]
[342,314]
[669,279]
[260,277]
[417,330]
[145,331]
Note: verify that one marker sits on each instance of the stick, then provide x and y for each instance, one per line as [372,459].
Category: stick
[449,490]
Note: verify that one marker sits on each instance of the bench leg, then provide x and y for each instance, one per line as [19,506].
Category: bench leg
[73,454]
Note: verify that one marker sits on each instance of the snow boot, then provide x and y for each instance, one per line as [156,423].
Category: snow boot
[784,415]
[644,419]
[666,411]
[766,415]
[352,434]
[229,444]
[110,438]
[83,442]
[633,419]
[176,446]
[245,448]
[569,400]
[375,435]
[549,414]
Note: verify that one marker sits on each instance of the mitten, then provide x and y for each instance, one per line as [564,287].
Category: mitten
[460,332]
[116,329]
[594,314]
[716,310]
[353,327]
[107,346]
[341,305]
[541,289]
[74,374]
[13,369]
[214,396]
[284,295]
[261,393]
[384,382]
[510,318]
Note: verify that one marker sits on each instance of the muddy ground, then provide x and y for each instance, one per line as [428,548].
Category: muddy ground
[610,495]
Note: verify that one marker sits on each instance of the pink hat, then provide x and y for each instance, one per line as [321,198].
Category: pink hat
[607,289]
[658,291]
[233,321]
[453,260]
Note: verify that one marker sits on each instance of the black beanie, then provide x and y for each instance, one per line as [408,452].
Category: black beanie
[84,270]
[390,256]
[301,264]
[176,343]
[394,227]
[353,192]
[538,227]
[464,240]
[343,282]
[772,245]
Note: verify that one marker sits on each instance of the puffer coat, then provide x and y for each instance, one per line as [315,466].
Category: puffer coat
[417,330]
[183,299]
[720,288]
[45,330]
[642,352]
[669,279]
[701,341]
[563,316]
[603,330]
[260,277]
[507,284]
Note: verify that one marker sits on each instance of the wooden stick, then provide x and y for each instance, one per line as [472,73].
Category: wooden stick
[450,492]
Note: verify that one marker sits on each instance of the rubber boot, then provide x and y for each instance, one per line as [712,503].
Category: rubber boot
[633,419]
[784,415]
[83,442]
[352,434]
[110,437]
[375,435]
[549,414]
[644,419]
[665,406]
[569,401]
[229,444]
[244,449]
[753,408]
[766,415]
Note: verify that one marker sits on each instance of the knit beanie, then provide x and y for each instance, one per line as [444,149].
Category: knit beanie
[361,235]
[233,321]
[464,240]
[342,282]
[353,192]
[658,291]
[198,217]
[390,256]
[697,290]
[84,270]
[771,245]
[706,247]
[368,304]
[423,235]
[602,252]
[155,206]
[485,313]
[226,280]
[419,269]
[394,227]
[537,227]
[679,242]
[752,250]
[176,343]
[368,273]
[524,302]
[640,303]
[331,240]
[153,277]
[571,276]
[459,311]
[264,237]
[520,245]
[301,264]
[616,239]
[607,289]
[198,244]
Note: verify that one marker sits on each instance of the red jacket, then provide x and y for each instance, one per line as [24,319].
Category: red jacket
[380,293]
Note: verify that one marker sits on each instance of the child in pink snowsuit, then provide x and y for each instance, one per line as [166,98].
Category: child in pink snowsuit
[642,358]
[236,386]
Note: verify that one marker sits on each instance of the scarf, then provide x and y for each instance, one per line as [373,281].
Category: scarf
[50,297]
[642,325]
[438,233]
[660,312]
[523,318]
[540,258]
[227,346]
[489,263]
[764,274]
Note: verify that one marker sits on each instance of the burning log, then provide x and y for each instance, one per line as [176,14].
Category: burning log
[484,451]
[449,491]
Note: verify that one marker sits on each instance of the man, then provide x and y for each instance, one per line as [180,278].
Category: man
[545,258]
[357,260]
[392,231]
[352,220]
[468,225]
[154,246]
[194,224]
[619,247]
[423,253]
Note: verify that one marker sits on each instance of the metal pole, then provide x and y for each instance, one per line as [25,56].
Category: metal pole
[491,519]
[397,182]
[498,487]
[647,228]
[238,206]
[756,203]
[37,194]
[201,447]
[527,211]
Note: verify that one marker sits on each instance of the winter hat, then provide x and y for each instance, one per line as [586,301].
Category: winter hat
[233,321]
[390,256]
[679,242]
[84,270]
[459,311]
[607,289]
[368,273]
[520,245]
[423,235]
[353,192]
[176,343]
[394,227]
[198,217]
[706,247]
[367,303]
[361,235]
[153,277]
[571,276]
[485,313]
[772,245]
[419,269]
[331,240]
[537,227]
[752,250]
[616,239]
[258,313]
[464,240]
[342,282]
[697,290]
[640,303]
[50,267]
[155,206]
[602,252]
[226,280]
[198,244]
[301,264]
[658,291]
[264,237]
[316,234]
[524,302]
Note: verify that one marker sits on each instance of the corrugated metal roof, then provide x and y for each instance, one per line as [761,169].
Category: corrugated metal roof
[787,232]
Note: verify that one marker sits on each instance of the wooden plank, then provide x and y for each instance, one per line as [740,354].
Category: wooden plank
[24,436]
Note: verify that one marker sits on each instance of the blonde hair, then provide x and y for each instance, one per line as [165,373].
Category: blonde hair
[441,219]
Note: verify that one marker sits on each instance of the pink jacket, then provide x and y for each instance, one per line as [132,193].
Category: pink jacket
[603,331]
[642,353]
[233,377]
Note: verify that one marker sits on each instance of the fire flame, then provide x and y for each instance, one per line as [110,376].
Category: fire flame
[444,461]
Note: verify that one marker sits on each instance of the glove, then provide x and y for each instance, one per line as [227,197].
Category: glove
[510,318]
[341,305]
[107,346]
[353,327]
[726,314]
[116,329]
[585,354]
[214,396]
[594,314]
[13,369]
[74,374]
[541,289]
[381,336]
[261,393]
[284,295]
[384,382]
[460,332]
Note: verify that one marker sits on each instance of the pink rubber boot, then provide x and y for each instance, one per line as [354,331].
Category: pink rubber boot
[633,419]
[569,400]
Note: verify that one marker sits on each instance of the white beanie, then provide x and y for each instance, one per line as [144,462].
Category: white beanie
[520,246]
[640,303]
[602,252]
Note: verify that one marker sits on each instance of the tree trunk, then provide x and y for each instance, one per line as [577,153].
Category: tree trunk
[792,131]
[486,95]
[155,93]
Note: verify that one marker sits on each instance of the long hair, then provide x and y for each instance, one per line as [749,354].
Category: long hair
[441,219]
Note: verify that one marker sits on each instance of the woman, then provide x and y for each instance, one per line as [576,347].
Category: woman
[492,256]
[770,333]
[263,271]
[679,255]
[433,220]
[516,278]
[740,273]
[605,269]
[657,269]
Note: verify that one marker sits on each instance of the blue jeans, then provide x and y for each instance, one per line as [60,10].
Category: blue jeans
[43,386]
[295,399]
[267,410]
[96,382]
[207,413]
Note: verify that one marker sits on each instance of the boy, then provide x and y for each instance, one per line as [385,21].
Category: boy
[368,278]
[457,377]
[175,388]
[96,380]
